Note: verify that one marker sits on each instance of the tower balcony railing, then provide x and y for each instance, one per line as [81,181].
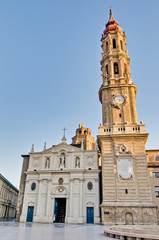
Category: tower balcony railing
[122,129]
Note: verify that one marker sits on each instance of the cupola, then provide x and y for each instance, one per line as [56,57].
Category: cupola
[112,25]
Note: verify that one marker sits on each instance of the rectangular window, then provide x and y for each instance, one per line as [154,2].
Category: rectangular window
[157,192]
[156,174]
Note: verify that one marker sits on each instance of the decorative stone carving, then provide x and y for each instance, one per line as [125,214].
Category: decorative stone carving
[123,149]
[60,181]
[90,203]
[125,168]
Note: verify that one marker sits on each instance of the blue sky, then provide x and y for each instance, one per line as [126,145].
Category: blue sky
[50,70]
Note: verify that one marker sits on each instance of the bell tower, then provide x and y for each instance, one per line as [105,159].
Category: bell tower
[126,188]
[117,88]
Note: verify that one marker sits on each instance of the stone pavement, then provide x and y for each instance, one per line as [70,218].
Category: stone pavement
[59,231]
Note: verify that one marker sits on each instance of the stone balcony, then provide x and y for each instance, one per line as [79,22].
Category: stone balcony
[122,129]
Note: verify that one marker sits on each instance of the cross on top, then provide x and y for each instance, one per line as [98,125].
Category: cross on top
[64,132]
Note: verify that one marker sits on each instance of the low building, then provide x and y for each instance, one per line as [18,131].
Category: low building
[8,199]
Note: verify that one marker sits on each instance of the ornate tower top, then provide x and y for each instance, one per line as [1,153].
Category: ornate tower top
[112,25]
[117,92]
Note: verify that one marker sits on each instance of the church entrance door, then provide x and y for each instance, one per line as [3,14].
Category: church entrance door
[90,215]
[30,214]
[60,209]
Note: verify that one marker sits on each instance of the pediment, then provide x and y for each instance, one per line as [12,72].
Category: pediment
[62,147]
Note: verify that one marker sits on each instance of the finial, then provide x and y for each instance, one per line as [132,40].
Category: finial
[44,146]
[32,148]
[111,18]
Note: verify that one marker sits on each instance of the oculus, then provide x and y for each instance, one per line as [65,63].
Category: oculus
[90,185]
[60,189]
[33,186]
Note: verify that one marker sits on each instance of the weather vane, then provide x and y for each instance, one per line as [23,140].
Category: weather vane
[64,132]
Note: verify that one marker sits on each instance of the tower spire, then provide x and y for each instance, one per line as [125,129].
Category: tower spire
[112,25]
[111,17]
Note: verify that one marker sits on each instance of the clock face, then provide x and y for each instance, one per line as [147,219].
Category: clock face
[119,99]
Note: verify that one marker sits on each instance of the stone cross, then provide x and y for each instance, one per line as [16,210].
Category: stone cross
[64,132]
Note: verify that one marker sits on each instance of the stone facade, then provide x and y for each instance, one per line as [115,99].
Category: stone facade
[153,167]
[22,186]
[8,199]
[127,197]
[62,185]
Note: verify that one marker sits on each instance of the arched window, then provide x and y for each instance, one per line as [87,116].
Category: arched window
[106,46]
[114,43]
[116,68]
[85,132]
[77,162]
[121,44]
[106,68]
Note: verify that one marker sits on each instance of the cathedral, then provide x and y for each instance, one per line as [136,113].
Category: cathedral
[61,182]
[113,181]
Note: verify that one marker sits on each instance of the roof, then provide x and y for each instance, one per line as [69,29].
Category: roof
[152,150]
[8,183]
[76,145]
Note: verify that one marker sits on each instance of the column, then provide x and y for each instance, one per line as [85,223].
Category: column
[111,68]
[38,199]
[70,205]
[52,207]
[81,198]
[67,209]
[48,197]
[120,67]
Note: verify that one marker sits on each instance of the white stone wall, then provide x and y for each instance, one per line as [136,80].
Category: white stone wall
[46,174]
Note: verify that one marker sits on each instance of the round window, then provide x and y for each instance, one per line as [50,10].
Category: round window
[90,185]
[33,186]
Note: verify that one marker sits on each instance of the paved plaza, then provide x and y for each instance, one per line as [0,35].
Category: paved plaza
[59,231]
